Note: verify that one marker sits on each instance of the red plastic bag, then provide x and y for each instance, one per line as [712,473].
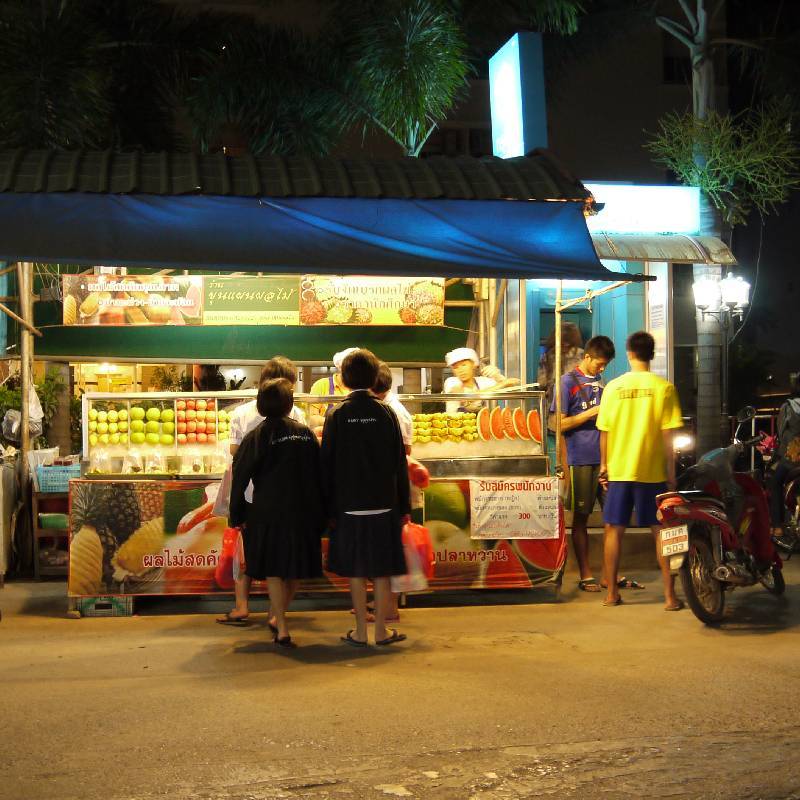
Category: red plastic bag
[418,474]
[231,559]
[418,551]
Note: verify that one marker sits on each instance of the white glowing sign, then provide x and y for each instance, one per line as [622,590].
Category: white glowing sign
[645,209]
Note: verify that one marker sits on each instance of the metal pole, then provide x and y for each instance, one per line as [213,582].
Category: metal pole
[557,378]
[24,273]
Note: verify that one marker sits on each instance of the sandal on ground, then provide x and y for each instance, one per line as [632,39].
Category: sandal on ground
[678,605]
[618,602]
[273,629]
[236,622]
[284,641]
[395,637]
[626,583]
[589,585]
[348,639]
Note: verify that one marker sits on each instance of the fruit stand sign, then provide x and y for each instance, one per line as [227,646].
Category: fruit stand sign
[251,300]
[514,508]
[361,300]
[132,299]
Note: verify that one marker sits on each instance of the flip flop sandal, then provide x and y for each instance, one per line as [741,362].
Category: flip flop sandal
[348,639]
[679,606]
[629,583]
[273,629]
[235,622]
[589,585]
[284,641]
[618,602]
[395,637]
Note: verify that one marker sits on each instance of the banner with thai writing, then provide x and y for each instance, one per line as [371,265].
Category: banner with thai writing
[132,299]
[514,508]
[252,300]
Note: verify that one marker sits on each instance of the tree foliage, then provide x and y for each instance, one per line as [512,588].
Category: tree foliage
[744,162]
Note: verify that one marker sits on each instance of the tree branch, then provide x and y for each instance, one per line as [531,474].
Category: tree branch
[689,15]
[738,42]
[677,30]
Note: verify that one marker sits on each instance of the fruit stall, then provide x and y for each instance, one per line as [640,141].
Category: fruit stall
[142,519]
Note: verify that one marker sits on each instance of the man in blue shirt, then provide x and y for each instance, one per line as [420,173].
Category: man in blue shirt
[581,391]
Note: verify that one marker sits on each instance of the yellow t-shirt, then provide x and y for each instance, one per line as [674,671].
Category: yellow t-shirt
[322,388]
[635,409]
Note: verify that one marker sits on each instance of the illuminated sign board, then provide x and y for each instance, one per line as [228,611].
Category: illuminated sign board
[645,209]
[516,93]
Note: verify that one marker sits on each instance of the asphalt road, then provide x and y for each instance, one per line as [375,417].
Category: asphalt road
[525,698]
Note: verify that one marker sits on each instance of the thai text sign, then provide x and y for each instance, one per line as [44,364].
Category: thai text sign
[252,300]
[514,508]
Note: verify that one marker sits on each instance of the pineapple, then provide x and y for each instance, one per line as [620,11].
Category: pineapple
[85,563]
[148,540]
[151,501]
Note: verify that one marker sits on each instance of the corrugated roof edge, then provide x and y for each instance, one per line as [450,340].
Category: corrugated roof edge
[538,176]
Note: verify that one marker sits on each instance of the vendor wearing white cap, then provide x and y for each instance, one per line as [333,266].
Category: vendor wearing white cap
[328,386]
[466,365]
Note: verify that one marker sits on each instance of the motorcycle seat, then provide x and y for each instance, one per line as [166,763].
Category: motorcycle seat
[793,474]
[699,494]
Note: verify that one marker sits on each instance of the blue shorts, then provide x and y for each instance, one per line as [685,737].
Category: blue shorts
[625,496]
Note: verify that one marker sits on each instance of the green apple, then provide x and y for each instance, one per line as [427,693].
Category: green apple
[122,425]
[92,425]
[167,427]
[137,426]
[137,412]
[153,414]
[102,416]
[123,414]
[123,438]
[151,438]
[104,438]
[102,427]
[92,413]
[113,416]
[151,426]
[137,437]
[112,427]
[167,439]
[167,415]
[114,438]
[93,439]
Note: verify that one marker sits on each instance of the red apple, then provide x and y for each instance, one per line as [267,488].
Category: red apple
[201,426]
[191,414]
[211,427]
[182,437]
[190,404]
[181,405]
[211,404]
[191,427]
[211,416]
[181,416]
[212,439]
[191,438]
[201,438]
[181,427]
[201,405]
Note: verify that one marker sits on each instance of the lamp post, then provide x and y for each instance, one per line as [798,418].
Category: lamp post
[726,301]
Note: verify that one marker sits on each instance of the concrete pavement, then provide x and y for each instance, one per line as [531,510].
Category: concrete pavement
[505,696]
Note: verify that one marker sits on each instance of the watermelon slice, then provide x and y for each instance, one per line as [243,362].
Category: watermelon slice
[518,420]
[496,423]
[482,422]
[508,424]
[534,423]
[507,574]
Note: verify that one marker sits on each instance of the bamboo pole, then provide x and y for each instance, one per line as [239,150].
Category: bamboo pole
[557,378]
[501,296]
[24,273]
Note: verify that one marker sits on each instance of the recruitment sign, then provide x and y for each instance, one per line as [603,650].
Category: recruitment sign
[252,300]
[514,508]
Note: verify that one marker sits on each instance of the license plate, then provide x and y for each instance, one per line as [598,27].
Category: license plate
[675,540]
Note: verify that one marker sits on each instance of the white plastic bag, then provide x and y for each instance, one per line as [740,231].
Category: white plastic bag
[414,580]
[223,500]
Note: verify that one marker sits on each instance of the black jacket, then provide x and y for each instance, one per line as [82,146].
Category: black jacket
[364,464]
[281,457]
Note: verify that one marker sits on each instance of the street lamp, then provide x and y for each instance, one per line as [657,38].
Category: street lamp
[726,301]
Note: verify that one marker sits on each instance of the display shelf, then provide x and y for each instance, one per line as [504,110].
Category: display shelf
[43,503]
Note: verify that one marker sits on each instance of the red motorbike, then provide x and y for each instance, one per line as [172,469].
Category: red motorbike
[717,530]
[789,541]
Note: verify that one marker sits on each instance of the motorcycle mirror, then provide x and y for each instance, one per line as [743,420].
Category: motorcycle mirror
[745,414]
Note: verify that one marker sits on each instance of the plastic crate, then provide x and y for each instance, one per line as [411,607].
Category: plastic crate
[106,606]
[56,479]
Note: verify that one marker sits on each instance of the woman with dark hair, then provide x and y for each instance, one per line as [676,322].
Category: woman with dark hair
[365,475]
[282,527]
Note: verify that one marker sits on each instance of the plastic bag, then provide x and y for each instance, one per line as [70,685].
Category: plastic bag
[229,567]
[419,560]
[12,424]
[223,500]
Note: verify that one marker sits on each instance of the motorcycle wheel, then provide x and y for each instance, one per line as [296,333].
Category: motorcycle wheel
[773,581]
[704,593]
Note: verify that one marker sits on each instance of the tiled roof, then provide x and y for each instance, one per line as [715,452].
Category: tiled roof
[538,176]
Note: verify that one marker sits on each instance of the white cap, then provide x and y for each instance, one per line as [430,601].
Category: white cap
[462,354]
[339,357]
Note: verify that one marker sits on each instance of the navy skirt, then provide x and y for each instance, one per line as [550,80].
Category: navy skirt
[367,546]
[288,550]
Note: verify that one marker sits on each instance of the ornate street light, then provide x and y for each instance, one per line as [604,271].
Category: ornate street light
[726,301]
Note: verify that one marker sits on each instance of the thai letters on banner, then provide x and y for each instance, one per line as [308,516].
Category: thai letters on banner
[514,508]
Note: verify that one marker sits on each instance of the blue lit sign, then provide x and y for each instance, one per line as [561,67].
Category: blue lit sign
[645,209]
[516,91]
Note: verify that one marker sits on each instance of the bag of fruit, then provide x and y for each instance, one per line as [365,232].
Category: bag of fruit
[418,551]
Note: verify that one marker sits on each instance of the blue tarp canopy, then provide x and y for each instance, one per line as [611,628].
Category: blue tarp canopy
[352,235]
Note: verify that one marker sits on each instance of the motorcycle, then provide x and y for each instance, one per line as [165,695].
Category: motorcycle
[716,531]
[789,541]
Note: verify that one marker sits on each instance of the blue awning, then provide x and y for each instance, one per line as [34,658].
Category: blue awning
[326,235]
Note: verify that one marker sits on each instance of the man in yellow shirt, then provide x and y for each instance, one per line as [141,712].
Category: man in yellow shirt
[638,413]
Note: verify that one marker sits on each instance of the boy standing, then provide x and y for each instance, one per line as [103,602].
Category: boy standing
[638,413]
[581,391]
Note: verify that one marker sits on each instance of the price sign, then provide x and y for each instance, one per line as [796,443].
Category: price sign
[514,508]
